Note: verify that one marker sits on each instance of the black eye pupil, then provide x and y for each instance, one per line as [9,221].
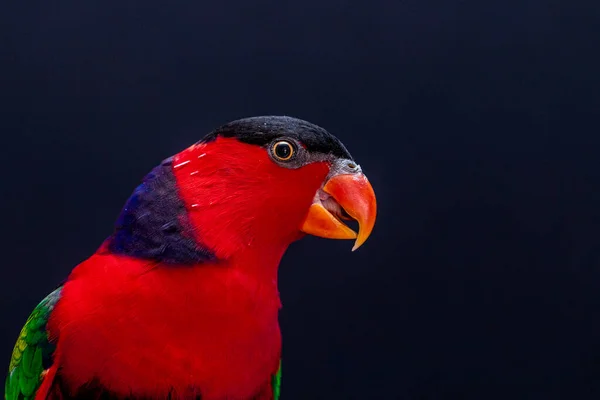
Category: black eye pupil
[283,150]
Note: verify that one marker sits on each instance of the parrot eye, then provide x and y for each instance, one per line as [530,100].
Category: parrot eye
[283,150]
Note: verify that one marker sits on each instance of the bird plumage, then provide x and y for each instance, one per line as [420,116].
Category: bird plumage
[181,301]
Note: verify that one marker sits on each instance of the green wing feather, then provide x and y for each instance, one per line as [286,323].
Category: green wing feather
[32,353]
[276,383]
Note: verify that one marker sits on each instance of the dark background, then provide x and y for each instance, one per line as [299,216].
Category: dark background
[476,121]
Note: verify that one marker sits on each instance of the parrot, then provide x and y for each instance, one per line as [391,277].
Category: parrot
[181,301]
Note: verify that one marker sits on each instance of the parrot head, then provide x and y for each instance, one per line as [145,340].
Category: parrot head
[255,184]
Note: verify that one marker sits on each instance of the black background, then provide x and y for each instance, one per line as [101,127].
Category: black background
[476,122]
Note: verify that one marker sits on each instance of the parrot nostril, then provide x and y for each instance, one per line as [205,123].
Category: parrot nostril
[352,166]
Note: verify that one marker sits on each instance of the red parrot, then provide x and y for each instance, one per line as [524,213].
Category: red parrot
[181,301]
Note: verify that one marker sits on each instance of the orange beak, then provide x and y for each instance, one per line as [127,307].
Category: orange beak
[343,196]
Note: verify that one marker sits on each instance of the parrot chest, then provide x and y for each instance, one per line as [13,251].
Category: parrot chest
[210,333]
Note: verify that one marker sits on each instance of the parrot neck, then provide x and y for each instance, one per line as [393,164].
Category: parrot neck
[154,223]
[259,263]
[223,202]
